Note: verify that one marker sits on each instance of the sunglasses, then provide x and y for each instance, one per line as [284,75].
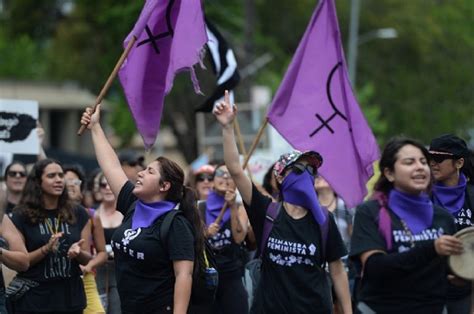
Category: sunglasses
[13,174]
[103,184]
[439,158]
[222,174]
[300,168]
[204,176]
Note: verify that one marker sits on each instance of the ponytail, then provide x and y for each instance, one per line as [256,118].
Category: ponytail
[190,211]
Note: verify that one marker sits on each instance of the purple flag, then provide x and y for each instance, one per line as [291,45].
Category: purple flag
[170,37]
[315,108]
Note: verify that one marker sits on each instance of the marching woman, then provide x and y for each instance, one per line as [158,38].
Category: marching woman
[153,275]
[293,279]
[454,191]
[56,234]
[15,179]
[226,238]
[400,238]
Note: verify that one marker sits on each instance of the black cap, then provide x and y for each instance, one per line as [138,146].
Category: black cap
[131,158]
[449,143]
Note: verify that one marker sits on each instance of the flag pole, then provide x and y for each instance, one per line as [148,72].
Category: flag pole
[241,144]
[246,161]
[110,80]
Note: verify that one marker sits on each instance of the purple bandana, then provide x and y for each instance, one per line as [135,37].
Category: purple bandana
[415,210]
[214,205]
[146,214]
[298,189]
[450,197]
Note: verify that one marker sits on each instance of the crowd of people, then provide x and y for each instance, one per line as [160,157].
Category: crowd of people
[136,238]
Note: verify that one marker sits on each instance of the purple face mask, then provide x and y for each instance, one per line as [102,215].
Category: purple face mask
[451,197]
[298,189]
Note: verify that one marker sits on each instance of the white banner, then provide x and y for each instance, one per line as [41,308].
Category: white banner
[18,122]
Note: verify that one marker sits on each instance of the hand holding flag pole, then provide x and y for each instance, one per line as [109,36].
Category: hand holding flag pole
[247,156]
[110,80]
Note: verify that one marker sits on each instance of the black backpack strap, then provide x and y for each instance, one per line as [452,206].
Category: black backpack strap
[202,207]
[324,234]
[270,215]
[165,227]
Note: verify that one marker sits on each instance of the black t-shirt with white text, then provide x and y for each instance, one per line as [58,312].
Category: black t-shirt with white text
[60,285]
[419,291]
[292,280]
[144,271]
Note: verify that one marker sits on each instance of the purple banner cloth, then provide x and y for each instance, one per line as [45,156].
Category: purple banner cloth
[298,189]
[415,210]
[451,197]
[214,205]
[170,38]
[315,109]
[145,214]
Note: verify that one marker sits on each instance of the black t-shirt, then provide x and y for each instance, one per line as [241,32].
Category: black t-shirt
[422,290]
[9,209]
[292,280]
[144,271]
[228,254]
[60,286]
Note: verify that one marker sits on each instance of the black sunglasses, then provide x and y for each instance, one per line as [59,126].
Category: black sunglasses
[13,174]
[439,158]
[300,168]
[204,176]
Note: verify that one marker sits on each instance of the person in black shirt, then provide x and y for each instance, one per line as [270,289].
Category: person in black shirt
[293,279]
[400,238]
[152,276]
[454,191]
[226,237]
[56,234]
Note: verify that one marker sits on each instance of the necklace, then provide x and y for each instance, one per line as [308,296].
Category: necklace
[56,225]
[410,234]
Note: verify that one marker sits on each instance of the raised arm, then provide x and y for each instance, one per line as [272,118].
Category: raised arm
[225,115]
[105,154]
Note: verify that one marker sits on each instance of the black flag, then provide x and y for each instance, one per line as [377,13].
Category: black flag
[223,64]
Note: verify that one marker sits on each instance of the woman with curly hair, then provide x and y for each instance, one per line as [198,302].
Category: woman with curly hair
[56,234]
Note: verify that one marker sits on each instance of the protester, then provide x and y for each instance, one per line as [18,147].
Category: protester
[75,183]
[269,183]
[150,279]
[292,276]
[131,164]
[111,219]
[15,179]
[203,181]
[226,238]
[400,237]
[453,190]
[56,234]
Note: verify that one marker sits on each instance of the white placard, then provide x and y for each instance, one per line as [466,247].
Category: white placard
[18,119]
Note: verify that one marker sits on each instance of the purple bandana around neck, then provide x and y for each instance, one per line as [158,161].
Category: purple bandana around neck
[298,189]
[214,205]
[450,197]
[415,210]
[145,214]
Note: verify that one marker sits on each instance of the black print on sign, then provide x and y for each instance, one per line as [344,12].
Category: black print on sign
[325,123]
[152,39]
[15,127]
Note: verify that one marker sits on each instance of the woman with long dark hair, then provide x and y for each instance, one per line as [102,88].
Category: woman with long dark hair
[154,275]
[400,238]
[296,250]
[56,233]
[454,191]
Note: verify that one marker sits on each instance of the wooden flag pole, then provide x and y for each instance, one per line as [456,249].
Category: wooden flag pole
[241,144]
[247,158]
[111,78]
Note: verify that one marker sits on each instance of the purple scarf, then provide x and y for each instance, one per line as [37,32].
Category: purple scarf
[214,205]
[450,197]
[146,214]
[415,210]
[298,189]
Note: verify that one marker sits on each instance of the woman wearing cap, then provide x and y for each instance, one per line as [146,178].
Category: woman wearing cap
[400,238]
[203,181]
[226,237]
[292,278]
[454,190]
[153,276]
